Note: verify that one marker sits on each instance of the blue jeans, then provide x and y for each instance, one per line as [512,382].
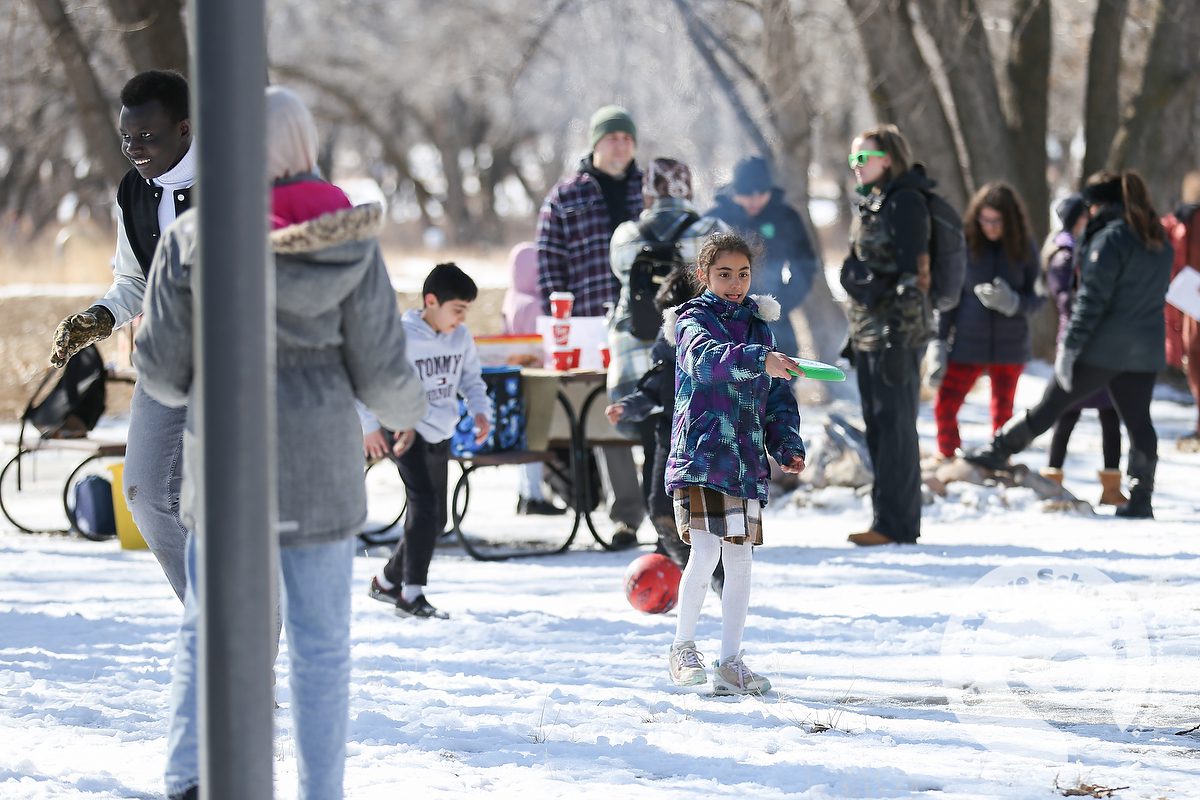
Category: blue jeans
[152,477]
[316,610]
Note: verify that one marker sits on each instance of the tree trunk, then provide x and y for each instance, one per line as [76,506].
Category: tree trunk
[446,136]
[958,33]
[902,92]
[153,33]
[823,327]
[1102,104]
[1156,133]
[95,109]
[1028,107]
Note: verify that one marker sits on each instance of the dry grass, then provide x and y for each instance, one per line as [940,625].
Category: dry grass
[27,320]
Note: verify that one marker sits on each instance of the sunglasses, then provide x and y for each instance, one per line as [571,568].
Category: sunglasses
[860,158]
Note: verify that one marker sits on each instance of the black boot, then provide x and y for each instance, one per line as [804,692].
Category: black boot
[1141,487]
[1014,437]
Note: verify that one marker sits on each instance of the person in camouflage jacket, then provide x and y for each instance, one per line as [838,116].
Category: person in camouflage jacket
[887,276]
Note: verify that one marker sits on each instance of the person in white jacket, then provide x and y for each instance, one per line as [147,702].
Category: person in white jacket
[442,352]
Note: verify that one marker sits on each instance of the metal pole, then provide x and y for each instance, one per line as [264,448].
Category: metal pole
[235,402]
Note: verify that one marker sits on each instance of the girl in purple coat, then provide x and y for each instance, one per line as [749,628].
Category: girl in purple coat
[1062,281]
[733,406]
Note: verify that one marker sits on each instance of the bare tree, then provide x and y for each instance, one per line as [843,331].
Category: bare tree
[1102,109]
[902,92]
[1158,127]
[94,107]
[153,33]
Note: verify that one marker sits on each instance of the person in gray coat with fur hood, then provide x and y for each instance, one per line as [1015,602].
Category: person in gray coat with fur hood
[339,337]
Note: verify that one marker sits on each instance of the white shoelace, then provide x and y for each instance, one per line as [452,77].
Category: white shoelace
[744,675]
[688,657]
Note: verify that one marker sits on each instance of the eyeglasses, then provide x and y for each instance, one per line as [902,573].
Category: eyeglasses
[990,222]
[860,158]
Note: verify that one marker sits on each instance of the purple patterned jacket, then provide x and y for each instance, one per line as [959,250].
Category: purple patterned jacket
[573,235]
[728,412]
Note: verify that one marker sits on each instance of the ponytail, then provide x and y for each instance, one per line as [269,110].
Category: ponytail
[1139,213]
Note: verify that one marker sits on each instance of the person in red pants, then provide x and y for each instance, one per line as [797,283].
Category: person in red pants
[989,330]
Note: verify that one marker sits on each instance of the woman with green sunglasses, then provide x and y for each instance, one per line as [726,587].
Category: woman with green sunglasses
[887,278]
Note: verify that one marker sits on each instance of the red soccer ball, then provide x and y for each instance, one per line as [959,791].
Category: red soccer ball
[652,583]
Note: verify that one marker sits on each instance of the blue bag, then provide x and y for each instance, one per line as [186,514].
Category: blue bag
[94,507]
[508,416]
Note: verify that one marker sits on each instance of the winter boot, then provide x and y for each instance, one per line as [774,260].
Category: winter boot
[1014,437]
[1052,474]
[1141,487]
[1110,484]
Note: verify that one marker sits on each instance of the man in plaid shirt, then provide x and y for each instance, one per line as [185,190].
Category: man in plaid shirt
[575,226]
[577,220]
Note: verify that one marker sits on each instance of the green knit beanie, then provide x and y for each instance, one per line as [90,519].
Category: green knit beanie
[611,119]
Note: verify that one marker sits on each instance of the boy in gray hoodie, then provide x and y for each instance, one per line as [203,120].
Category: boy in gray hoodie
[442,351]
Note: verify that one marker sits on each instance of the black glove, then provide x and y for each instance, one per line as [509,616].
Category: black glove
[78,331]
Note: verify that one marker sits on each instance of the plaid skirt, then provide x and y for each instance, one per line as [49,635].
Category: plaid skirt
[699,509]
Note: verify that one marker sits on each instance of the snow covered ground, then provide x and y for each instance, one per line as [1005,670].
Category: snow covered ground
[1009,650]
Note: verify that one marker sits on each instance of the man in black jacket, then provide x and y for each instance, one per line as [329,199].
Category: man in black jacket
[754,207]
[156,137]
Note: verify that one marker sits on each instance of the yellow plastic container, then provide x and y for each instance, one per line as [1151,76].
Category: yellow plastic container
[127,533]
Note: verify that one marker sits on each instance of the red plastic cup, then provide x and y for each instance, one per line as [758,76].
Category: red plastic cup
[562,333]
[562,360]
[561,303]
[605,356]
[574,361]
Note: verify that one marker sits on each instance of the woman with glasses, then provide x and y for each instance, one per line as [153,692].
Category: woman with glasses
[1114,339]
[989,329]
[887,276]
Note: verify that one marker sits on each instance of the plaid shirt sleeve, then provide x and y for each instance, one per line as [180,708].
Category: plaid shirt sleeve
[551,250]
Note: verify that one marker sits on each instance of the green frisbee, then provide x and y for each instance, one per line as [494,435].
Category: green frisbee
[817,370]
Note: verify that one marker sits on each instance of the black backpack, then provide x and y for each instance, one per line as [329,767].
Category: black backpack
[74,405]
[947,253]
[651,266]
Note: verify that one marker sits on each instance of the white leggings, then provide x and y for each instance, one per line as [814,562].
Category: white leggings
[707,550]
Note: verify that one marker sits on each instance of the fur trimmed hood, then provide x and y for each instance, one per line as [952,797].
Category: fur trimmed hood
[319,261]
[329,230]
[766,308]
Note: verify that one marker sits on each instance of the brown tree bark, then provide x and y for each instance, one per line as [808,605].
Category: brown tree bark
[1028,73]
[1157,131]
[902,91]
[153,33]
[958,33]
[823,324]
[96,113]
[1102,103]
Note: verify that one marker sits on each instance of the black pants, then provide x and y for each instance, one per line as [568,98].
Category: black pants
[1130,392]
[889,407]
[424,468]
[1110,437]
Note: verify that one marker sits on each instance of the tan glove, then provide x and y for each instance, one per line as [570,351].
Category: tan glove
[78,331]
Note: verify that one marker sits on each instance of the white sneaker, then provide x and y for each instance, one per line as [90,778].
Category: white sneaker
[732,676]
[686,665]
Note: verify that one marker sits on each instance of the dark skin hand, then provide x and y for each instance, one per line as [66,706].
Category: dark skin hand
[151,141]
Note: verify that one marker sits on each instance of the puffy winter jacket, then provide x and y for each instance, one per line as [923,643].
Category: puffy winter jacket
[978,335]
[1117,321]
[728,412]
